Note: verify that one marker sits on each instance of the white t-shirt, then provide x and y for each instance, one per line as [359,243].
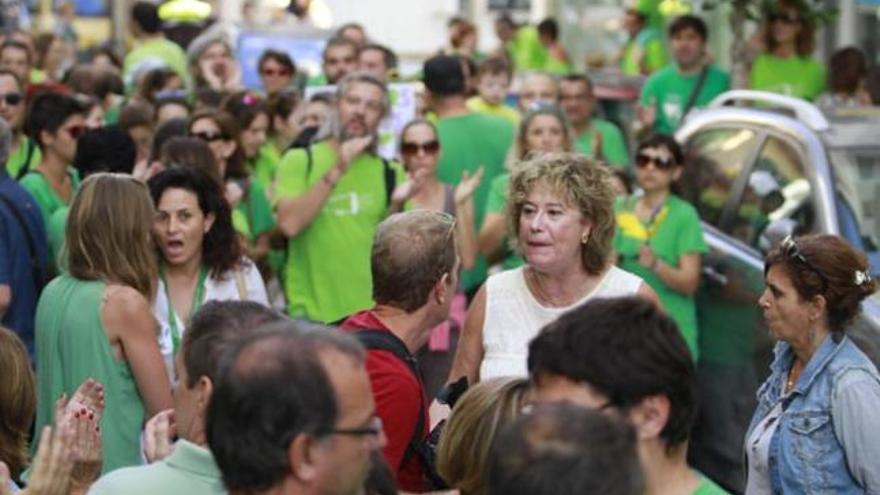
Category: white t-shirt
[223,289]
[514,317]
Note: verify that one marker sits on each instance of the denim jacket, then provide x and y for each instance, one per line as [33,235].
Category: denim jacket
[828,437]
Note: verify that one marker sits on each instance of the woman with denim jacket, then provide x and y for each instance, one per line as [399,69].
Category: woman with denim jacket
[816,428]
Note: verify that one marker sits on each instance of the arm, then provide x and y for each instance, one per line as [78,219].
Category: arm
[491,239]
[469,354]
[130,324]
[684,278]
[854,402]
[648,293]
[464,230]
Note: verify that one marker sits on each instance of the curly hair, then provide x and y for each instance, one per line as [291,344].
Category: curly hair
[582,183]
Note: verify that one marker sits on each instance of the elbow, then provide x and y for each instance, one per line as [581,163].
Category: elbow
[288,225]
[690,287]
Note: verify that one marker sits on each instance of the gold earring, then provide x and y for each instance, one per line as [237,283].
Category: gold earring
[585,237]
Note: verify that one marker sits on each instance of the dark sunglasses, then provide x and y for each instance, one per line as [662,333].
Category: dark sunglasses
[786,18]
[75,131]
[642,161]
[792,251]
[429,147]
[275,72]
[208,137]
[11,99]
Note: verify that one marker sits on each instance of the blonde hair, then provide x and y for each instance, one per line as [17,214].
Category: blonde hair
[18,400]
[108,233]
[583,183]
[483,411]
[529,117]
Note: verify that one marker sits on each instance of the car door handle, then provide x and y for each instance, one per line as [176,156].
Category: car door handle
[714,275]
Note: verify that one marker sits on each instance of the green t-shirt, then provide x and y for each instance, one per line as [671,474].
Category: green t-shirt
[613,144]
[155,52]
[17,160]
[526,50]
[645,50]
[327,276]
[478,104]
[669,91]
[257,210]
[55,234]
[557,66]
[708,487]
[470,141]
[496,202]
[674,231]
[264,165]
[802,77]
[43,193]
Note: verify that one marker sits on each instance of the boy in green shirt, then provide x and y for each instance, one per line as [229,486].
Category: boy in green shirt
[146,26]
[493,83]
[594,137]
[644,52]
[668,95]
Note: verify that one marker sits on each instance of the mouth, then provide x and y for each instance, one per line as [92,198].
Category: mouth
[173,248]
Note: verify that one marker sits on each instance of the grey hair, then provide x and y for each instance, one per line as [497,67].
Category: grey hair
[332,128]
[201,43]
[5,142]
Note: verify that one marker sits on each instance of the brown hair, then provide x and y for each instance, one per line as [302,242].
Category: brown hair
[583,183]
[494,66]
[108,233]
[136,114]
[411,253]
[229,128]
[18,398]
[847,70]
[806,39]
[481,413]
[831,257]
[190,152]
[529,117]
[462,31]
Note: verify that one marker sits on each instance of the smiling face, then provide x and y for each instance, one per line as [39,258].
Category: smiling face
[545,133]
[786,313]
[180,226]
[550,230]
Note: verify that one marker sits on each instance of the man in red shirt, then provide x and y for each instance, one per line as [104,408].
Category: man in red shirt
[415,274]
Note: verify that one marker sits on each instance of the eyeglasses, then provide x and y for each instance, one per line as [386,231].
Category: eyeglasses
[75,131]
[429,148]
[642,161]
[11,99]
[792,251]
[208,137]
[268,72]
[374,429]
[786,18]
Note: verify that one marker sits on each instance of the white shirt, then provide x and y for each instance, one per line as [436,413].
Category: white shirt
[514,317]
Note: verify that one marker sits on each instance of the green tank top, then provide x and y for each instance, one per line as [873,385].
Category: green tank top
[72,346]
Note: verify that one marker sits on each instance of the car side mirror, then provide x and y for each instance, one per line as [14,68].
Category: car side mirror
[776,232]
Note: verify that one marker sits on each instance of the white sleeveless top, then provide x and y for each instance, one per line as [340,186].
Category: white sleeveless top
[513,317]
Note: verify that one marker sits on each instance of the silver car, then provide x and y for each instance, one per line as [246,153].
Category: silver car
[756,174]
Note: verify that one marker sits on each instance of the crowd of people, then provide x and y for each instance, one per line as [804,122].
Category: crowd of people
[206,288]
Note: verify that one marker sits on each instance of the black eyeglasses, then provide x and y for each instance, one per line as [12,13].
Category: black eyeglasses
[373,429]
[642,161]
[792,251]
[429,147]
[11,99]
[786,18]
[208,137]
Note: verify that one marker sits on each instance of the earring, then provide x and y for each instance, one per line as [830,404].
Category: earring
[585,237]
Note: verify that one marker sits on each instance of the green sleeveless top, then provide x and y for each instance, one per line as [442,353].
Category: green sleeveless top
[72,346]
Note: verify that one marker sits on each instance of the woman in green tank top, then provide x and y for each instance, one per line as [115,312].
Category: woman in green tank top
[95,321]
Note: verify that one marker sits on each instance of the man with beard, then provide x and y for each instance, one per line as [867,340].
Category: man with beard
[691,82]
[331,196]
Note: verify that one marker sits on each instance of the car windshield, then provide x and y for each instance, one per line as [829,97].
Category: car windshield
[857,192]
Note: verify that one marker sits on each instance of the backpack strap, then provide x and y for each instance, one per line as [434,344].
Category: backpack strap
[390,180]
[382,340]
[29,154]
[309,160]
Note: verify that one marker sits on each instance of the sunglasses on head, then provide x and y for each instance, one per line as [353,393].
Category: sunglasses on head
[274,72]
[208,137]
[11,99]
[75,131]
[792,251]
[786,18]
[642,161]
[429,147]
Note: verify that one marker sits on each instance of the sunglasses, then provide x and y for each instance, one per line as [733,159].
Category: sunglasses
[642,161]
[792,251]
[75,131]
[275,72]
[208,137]
[429,148]
[786,18]
[11,99]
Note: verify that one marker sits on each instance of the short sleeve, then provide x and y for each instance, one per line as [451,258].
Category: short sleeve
[854,406]
[292,178]
[690,236]
[613,145]
[497,197]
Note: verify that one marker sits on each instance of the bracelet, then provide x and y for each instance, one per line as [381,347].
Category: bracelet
[328,181]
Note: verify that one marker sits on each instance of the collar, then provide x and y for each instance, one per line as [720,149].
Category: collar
[193,459]
[364,319]
[784,356]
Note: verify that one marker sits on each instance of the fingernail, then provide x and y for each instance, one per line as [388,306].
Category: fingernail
[91,415]
[82,411]
[76,415]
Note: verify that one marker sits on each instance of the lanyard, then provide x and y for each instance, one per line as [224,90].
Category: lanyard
[196,303]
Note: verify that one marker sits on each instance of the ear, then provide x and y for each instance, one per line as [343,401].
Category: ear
[209,222]
[228,148]
[650,416]
[304,455]
[676,174]
[818,305]
[441,289]
[46,137]
[205,387]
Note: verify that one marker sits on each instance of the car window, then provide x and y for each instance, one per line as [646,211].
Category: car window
[777,190]
[714,159]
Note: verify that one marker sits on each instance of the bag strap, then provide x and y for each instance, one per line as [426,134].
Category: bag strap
[36,269]
[390,180]
[382,340]
[240,284]
[26,167]
[309,160]
[692,99]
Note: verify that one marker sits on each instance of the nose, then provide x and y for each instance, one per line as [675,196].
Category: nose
[764,300]
[537,222]
[173,225]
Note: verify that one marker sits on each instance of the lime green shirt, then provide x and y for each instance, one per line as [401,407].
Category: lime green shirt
[42,191]
[674,232]
[708,487]
[478,104]
[557,66]
[613,143]
[19,160]
[669,91]
[496,202]
[72,346]
[526,50]
[327,275]
[257,210]
[646,50]
[468,142]
[159,49]
[55,234]
[264,165]
[802,77]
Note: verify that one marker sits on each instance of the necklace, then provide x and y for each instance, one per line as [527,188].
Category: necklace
[543,297]
[792,377]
